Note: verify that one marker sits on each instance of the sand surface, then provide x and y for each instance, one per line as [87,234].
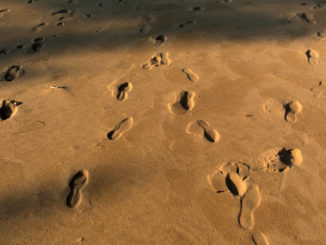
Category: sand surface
[162,122]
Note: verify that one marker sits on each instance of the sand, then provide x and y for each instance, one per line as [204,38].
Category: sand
[162,122]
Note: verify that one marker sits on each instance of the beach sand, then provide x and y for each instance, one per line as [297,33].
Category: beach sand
[162,122]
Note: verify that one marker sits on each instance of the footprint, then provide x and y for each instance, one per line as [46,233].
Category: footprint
[4,51]
[61,11]
[76,185]
[210,133]
[121,128]
[190,74]
[184,103]
[28,126]
[196,9]
[319,90]
[38,44]
[233,177]
[277,160]
[319,6]
[249,202]
[308,17]
[259,238]
[13,73]
[160,39]
[38,27]
[155,61]
[121,91]
[8,109]
[189,22]
[291,110]
[230,177]
[312,56]
[203,128]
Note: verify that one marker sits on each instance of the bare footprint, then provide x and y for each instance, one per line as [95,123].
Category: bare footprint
[121,128]
[8,109]
[13,73]
[249,202]
[184,103]
[292,109]
[76,185]
[277,160]
[190,74]
[312,56]
[319,90]
[157,60]
[203,128]
[121,91]
[259,238]
[230,177]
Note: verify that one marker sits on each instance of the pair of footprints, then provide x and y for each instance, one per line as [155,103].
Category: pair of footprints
[234,178]
[291,109]
[184,101]
[199,127]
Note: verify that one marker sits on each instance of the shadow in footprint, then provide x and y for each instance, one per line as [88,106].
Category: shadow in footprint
[8,109]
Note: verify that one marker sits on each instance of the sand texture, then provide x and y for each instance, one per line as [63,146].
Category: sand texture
[163,122]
